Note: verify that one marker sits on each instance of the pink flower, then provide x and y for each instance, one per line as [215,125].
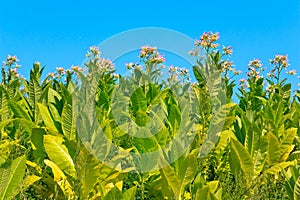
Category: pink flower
[95,50]
[292,72]
[227,50]
[207,40]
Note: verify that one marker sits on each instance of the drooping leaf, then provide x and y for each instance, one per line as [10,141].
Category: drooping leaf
[273,152]
[61,179]
[169,178]
[240,160]
[59,154]
[278,167]
[287,143]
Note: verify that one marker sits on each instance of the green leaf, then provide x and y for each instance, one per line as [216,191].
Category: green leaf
[49,123]
[208,191]
[141,119]
[18,111]
[278,167]
[187,171]
[297,189]
[174,116]
[139,100]
[113,194]
[35,92]
[37,143]
[11,176]
[287,143]
[28,181]
[87,164]
[61,179]
[240,160]
[129,194]
[68,123]
[169,178]
[4,98]
[59,154]
[273,151]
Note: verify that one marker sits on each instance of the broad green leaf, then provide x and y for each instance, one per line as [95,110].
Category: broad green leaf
[273,152]
[49,123]
[208,191]
[252,138]
[113,194]
[18,111]
[55,113]
[35,92]
[141,119]
[28,181]
[240,160]
[169,178]
[87,174]
[174,117]
[287,143]
[187,171]
[4,99]
[59,154]
[139,100]
[37,143]
[68,123]
[53,95]
[278,167]
[129,194]
[11,176]
[61,179]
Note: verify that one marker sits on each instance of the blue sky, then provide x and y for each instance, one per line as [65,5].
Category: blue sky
[58,33]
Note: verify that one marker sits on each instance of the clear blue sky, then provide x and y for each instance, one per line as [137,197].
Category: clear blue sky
[58,33]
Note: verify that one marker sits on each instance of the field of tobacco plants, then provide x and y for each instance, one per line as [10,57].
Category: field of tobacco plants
[91,133]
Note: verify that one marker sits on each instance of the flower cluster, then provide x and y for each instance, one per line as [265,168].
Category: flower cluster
[10,60]
[244,83]
[178,74]
[93,51]
[227,50]
[207,40]
[227,66]
[12,68]
[151,55]
[280,60]
[255,69]
[14,72]
[292,72]
[105,65]
[77,69]
[256,63]
[280,63]
[60,70]
[97,64]
[132,66]
[62,73]
[228,70]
